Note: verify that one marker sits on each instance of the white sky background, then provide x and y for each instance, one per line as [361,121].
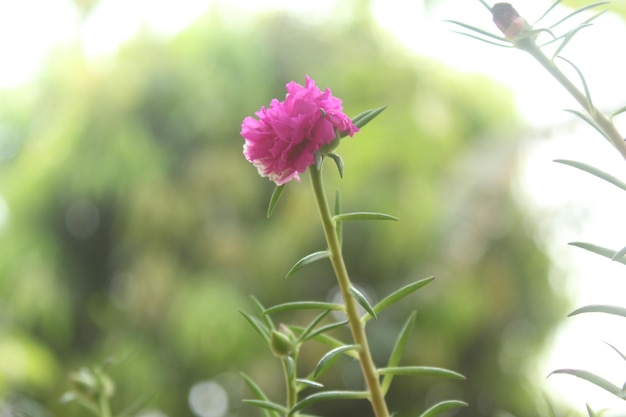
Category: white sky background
[29,28]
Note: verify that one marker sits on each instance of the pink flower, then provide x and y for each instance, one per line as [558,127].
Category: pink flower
[282,143]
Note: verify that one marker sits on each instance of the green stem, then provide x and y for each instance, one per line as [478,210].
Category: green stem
[529,45]
[357,328]
[105,407]
[290,379]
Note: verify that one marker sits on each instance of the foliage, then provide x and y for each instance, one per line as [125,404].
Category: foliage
[136,230]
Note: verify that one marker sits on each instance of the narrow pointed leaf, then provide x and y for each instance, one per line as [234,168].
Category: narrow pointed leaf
[598,308]
[258,326]
[568,38]
[330,357]
[590,411]
[582,9]
[582,79]
[338,162]
[320,337]
[309,383]
[312,325]
[619,254]
[267,405]
[556,3]
[304,305]
[397,296]
[616,350]
[362,300]
[439,408]
[328,396]
[618,112]
[593,171]
[364,118]
[470,35]
[310,258]
[259,394]
[420,370]
[269,324]
[398,350]
[608,253]
[594,379]
[478,30]
[589,121]
[363,215]
[278,191]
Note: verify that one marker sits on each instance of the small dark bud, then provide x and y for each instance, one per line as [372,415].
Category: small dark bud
[508,20]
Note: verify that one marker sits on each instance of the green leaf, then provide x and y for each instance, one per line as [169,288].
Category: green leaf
[590,107]
[420,370]
[319,336]
[258,326]
[269,324]
[597,308]
[367,116]
[278,191]
[593,171]
[304,305]
[568,38]
[310,258]
[259,394]
[397,296]
[362,300]
[582,9]
[312,325]
[504,41]
[619,254]
[267,405]
[338,162]
[363,216]
[547,11]
[328,396]
[616,350]
[594,379]
[590,411]
[398,350]
[608,253]
[443,406]
[618,112]
[590,121]
[330,357]
[309,383]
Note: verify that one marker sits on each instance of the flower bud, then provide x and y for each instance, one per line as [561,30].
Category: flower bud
[282,342]
[512,25]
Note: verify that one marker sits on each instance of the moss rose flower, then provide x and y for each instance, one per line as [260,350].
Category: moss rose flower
[282,143]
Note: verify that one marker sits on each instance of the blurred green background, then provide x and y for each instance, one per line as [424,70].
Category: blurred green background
[135,230]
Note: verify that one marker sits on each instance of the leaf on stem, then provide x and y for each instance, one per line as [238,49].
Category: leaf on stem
[619,254]
[312,325]
[568,38]
[267,405]
[493,39]
[363,215]
[420,370]
[590,121]
[556,3]
[397,296]
[594,379]
[439,408]
[261,308]
[616,350]
[599,308]
[367,116]
[590,107]
[362,300]
[310,258]
[328,396]
[258,326]
[319,336]
[304,305]
[590,411]
[259,394]
[330,357]
[308,383]
[608,253]
[278,191]
[398,350]
[593,171]
[618,112]
[338,162]
[577,11]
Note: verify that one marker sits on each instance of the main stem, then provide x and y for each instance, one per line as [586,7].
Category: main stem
[603,123]
[357,328]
